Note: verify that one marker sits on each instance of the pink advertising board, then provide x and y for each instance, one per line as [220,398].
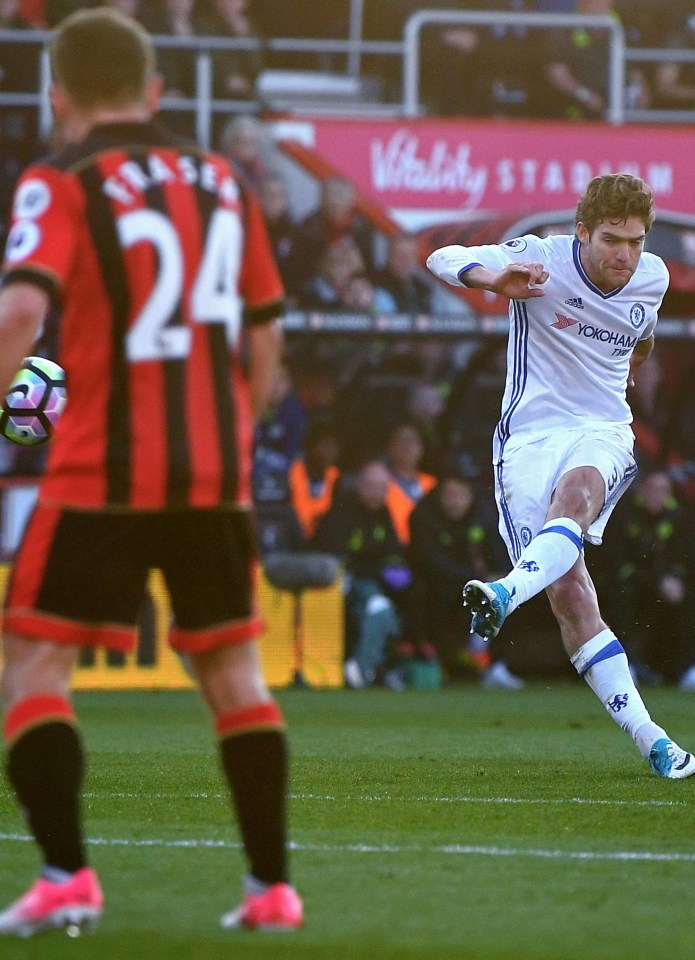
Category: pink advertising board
[427,170]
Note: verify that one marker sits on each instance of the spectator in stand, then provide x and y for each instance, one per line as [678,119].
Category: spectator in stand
[678,436]
[646,24]
[674,83]
[336,218]
[407,482]
[336,264]
[439,361]
[320,374]
[358,529]
[372,398]
[650,571]
[452,53]
[234,72]
[425,406]
[451,541]
[385,20]
[403,278]
[282,230]
[651,405]
[482,70]
[243,143]
[473,409]
[576,69]
[313,476]
[278,441]
[361,295]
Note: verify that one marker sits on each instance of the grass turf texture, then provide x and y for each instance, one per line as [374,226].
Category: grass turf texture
[447,824]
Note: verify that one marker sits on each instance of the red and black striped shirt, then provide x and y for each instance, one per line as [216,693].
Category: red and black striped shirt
[157,258]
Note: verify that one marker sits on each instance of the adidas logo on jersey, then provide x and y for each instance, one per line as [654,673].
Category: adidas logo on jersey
[575,302]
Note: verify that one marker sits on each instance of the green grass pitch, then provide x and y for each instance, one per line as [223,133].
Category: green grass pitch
[429,824]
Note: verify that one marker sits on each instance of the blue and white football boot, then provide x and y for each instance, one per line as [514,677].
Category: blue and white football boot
[488,603]
[668,760]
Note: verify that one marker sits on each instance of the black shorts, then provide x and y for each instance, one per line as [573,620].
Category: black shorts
[79,577]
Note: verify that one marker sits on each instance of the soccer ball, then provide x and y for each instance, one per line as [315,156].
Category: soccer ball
[34,402]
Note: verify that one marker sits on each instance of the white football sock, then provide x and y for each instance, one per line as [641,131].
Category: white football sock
[551,553]
[603,664]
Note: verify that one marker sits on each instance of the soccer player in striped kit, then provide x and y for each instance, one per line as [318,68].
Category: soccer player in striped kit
[160,263]
[582,312]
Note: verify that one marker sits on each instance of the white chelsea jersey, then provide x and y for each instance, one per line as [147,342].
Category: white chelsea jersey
[568,354]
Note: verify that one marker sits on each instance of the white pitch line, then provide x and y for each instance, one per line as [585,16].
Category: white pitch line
[498,800]
[640,856]
[387,798]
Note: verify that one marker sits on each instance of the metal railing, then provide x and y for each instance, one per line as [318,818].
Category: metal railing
[424,18]
[204,107]
[650,55]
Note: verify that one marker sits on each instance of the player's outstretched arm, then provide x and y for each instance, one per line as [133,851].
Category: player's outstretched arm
[517,281]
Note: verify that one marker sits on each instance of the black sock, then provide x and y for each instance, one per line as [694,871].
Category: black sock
[45,767]
[255,764]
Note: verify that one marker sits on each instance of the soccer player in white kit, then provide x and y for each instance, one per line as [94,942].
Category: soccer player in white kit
[582,315]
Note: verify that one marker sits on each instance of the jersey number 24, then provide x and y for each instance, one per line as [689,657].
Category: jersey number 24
[157,333]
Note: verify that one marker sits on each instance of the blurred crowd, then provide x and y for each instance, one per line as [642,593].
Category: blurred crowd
[496,71]
[376,450]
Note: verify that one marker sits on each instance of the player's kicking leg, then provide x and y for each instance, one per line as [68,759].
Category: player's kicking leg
[548,557]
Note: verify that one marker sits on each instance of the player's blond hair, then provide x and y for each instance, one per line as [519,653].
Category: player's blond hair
[102,58]
[615,197]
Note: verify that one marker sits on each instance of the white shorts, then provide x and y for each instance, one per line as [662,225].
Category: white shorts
[527,475]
